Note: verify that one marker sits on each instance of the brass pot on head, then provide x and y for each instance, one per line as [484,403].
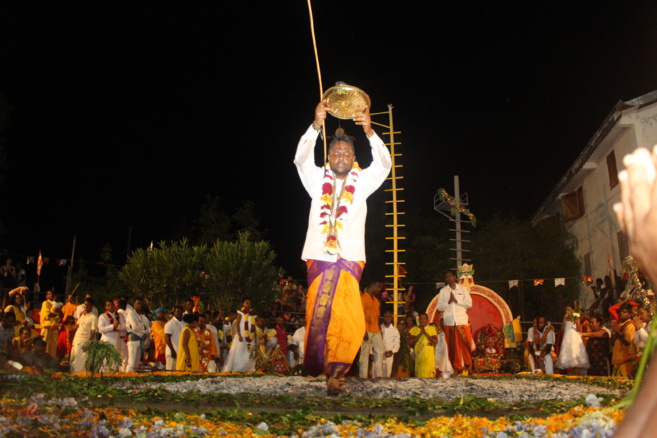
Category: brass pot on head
[345,101]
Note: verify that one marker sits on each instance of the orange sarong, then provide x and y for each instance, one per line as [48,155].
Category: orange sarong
[335,323]
[459,345]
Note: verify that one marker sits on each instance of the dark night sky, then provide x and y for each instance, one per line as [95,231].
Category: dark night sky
[126,114]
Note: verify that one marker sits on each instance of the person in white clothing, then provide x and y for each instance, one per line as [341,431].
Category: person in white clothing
[642,323]
[296,346]
[172,330]
[443,365]
[540,340]
[139,333]
[391,342]
[87,326]
[110,324]
[121,306]
[335,243]
[454,300]
[241,357]
[81,308]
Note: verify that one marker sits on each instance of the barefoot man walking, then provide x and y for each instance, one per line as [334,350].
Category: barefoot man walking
[335,245]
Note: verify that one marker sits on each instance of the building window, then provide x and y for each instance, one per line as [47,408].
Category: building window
[572,205]
[612,170]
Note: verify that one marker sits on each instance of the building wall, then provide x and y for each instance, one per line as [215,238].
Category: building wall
[597,230]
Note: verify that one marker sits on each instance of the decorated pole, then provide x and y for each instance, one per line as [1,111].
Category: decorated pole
[457,218]
[442,203]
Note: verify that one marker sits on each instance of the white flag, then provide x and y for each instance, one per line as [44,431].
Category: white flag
[513,283]
[559,282]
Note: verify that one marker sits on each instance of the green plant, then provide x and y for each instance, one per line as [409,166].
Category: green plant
[101,356]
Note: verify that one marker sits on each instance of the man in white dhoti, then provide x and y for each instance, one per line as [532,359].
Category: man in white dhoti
[86,328]
[139,332]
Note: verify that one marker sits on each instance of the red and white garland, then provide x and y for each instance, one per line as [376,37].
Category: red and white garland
[331,225]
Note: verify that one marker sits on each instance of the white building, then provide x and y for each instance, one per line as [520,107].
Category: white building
[584,197]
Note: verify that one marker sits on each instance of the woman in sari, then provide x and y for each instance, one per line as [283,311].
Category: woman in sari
[20,310]
[65,339]
[188,358]
[157,334]
[597,347]
[424,339]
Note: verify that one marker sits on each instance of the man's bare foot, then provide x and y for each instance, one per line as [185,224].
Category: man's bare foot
[333,386]
[320,378]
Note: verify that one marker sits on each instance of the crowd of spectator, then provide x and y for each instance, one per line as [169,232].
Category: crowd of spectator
[607,339]
[184,338]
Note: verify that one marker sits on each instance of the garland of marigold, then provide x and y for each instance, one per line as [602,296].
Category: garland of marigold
[332,225]
[454,207]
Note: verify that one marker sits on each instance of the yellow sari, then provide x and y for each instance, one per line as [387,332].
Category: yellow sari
[425,352]
[49,327]
[193,352]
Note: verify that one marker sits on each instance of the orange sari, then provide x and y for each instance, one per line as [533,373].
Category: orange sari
[335,324]
[159,341]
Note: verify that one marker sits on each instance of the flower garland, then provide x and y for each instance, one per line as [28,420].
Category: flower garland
[573,316]
[330,224]
[249,322]
[454,207]
[203,338]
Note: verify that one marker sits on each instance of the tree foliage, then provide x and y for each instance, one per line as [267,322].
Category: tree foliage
[221,273]
[428,254]
[507,249]
[213,223]
[241,268]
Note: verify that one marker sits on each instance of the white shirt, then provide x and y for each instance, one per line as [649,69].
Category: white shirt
[106,328]
[124,313]
[173,327]
[80,309]
[454,313]
[228,331]
[87,323]
[641,336]
[549,339]
[390,339]
[138,324]
[351,238]
[299,338]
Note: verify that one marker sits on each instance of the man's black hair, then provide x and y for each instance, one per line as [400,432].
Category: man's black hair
[342,137]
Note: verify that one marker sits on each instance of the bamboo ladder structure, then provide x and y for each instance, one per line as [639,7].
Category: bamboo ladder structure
[396,275]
